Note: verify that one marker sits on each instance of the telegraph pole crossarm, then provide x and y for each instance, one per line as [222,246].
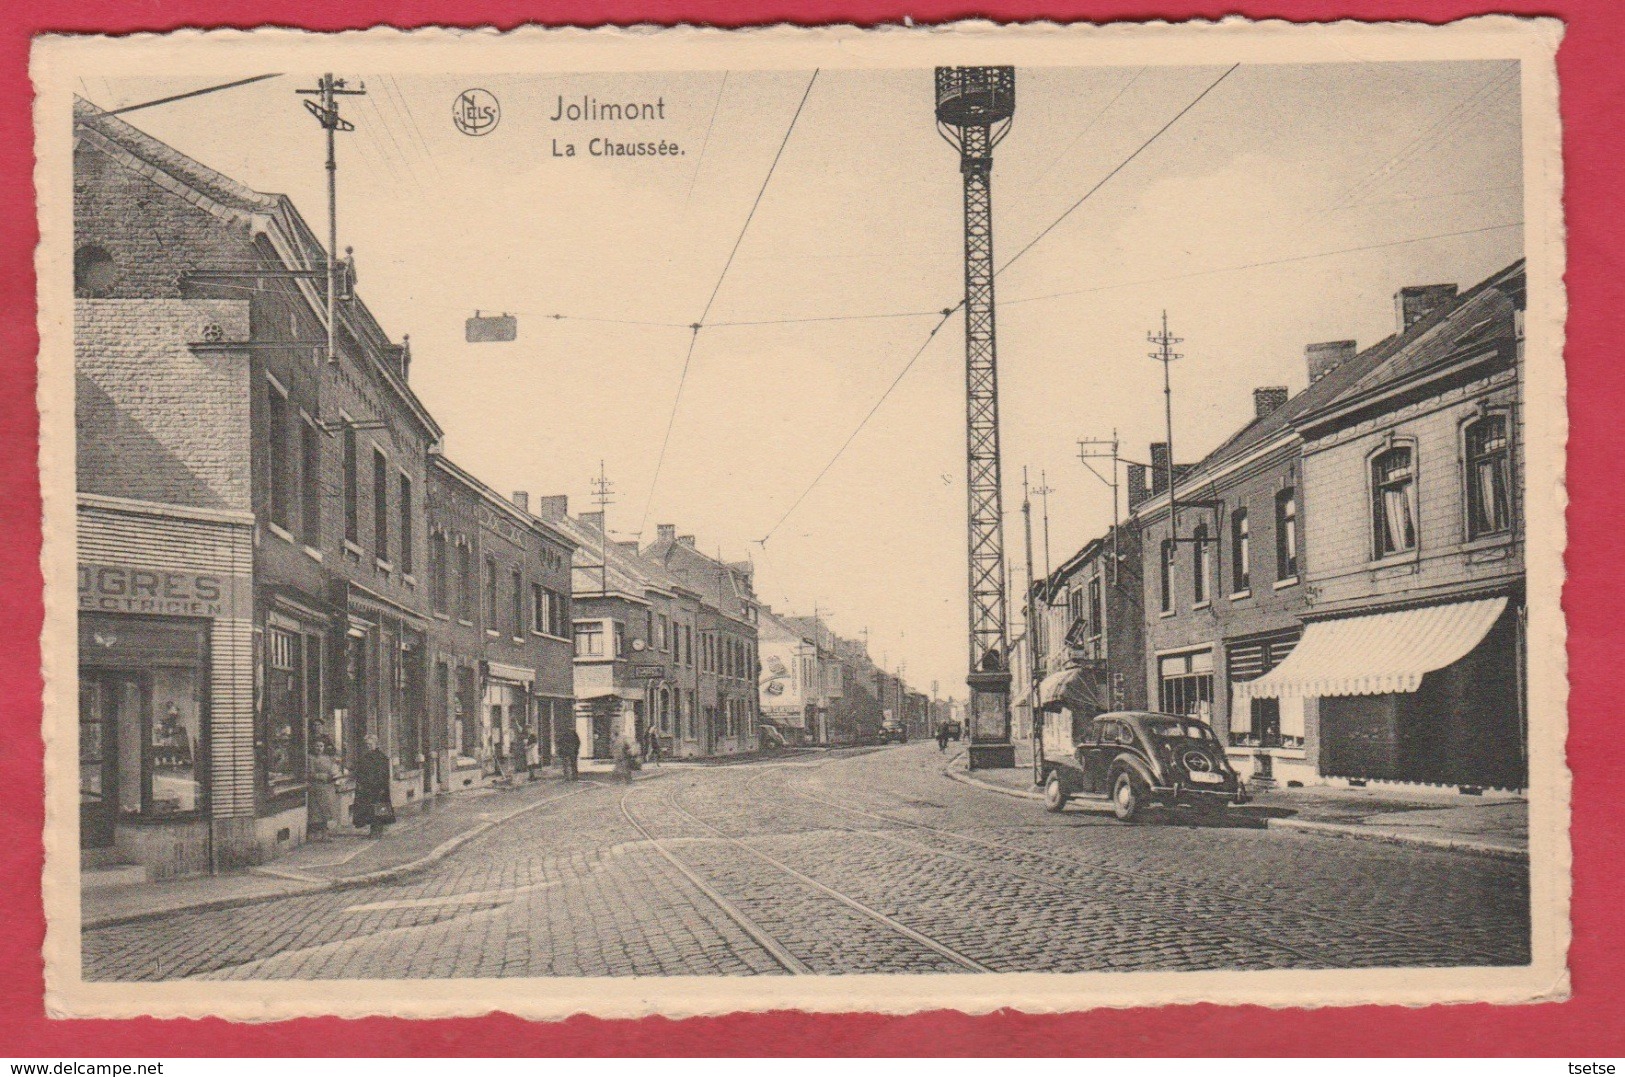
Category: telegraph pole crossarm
[326,110]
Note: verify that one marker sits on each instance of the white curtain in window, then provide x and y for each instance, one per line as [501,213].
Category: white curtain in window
[1400,531]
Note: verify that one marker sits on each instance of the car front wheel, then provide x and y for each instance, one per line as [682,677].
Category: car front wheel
[1054,793]
[1128,796]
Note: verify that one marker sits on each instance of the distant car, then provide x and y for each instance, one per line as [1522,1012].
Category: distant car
[1139,760]
[955,730]
[893,733]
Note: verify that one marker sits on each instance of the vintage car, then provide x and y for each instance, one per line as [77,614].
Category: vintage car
[893,732]
[1140,759]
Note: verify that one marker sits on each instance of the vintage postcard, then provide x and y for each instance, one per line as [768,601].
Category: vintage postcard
[680,521]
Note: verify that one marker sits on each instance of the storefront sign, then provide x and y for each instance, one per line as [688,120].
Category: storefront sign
[648,672]
[170,592]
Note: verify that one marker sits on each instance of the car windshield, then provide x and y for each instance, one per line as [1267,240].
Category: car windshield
[1174,730]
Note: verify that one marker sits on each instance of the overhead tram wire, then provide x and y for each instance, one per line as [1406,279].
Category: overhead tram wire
[699,323]
[705,142]
[1121,165]
[944,316]
[1090,126]
[950,311]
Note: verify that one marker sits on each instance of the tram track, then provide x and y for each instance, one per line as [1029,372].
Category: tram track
[773,946]
[1149,879]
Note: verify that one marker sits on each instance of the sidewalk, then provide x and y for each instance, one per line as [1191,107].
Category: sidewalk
[1493,825]
[348,858]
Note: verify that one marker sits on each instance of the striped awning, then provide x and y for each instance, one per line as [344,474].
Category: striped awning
[1376,654]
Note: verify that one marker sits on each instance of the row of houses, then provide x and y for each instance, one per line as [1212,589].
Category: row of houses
[275,550]
[817,687]
[1339,586]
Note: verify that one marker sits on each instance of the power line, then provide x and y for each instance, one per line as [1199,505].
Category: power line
[1090,126]
[1258,265]
[1121,165]
[1403,155]
[682,379]
[706,141]
[827,318]
[194,93]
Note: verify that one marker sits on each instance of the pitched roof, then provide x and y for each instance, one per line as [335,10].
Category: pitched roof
[628,573]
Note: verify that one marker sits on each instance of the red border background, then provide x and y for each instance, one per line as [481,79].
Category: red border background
[1592,1023]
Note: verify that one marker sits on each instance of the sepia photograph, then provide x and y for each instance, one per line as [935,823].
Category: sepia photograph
[622,524]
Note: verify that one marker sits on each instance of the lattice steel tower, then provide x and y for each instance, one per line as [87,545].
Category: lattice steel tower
[974,110]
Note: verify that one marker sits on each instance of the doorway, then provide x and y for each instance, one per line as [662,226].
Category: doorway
[110,723]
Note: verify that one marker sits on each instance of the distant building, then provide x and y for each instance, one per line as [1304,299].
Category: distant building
[726,640]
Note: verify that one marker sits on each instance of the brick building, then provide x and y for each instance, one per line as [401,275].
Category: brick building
[635,643]
[499,586]
[234,406]
[1092,635]
[1414,640]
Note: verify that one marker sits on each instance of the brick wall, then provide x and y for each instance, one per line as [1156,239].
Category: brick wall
[156,419]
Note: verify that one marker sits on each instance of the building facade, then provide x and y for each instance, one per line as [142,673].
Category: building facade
[1414,648]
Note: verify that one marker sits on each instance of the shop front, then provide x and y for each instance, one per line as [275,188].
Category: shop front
[509,728]
[1268,737]
[382,689]
[1428,694]
[1185,683]
[164,735]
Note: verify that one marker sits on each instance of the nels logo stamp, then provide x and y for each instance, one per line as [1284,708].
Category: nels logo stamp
[476,112]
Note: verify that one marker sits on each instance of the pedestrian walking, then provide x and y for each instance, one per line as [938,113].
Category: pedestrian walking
[569,745]
[651,748]
[372,808]
[942,736]
[323,771]
[623,759]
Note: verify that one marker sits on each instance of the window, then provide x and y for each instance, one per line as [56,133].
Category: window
[589,639]
[352,487]
[1186,684]
[620,639]
[285,701]
[466,737]
[491,594]
[1489,483]
[1097,619]
[518,604]
[1201,565]
[1286,535]
[663,632]
[1241,552]
[1167,579]
[279,457]
[438,572]
[465,583]
[541,614]
[1393,509]
[94,274]
[1074,606]
[406,525]
[380,505]
[310,475]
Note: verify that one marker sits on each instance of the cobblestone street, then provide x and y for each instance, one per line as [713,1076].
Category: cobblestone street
[854,862]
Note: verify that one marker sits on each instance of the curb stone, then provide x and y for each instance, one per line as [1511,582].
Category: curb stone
[1369,833]
[1360,831]
[346,882]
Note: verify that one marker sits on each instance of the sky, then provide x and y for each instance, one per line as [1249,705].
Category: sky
[1286,207]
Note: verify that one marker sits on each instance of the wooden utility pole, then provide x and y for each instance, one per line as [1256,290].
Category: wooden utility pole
[326,110]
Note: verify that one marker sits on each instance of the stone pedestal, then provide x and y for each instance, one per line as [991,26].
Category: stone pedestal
[991,756]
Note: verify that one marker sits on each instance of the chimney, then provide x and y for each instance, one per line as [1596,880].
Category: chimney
[553,506]
[1416,302]
[1138,491]
[594,520]
[686,540]
[1159,466]
[1268,399]
[522,500]
[629,545]
[1328,356]
[667,532]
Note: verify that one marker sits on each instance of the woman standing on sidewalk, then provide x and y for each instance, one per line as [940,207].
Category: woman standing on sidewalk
[324,772]
[372,808]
